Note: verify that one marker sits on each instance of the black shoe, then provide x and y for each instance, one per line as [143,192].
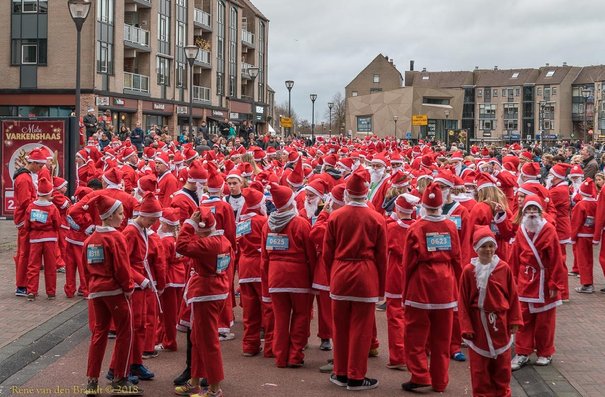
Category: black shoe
[141,371]
[21,291]
[183,378]
[153,354]
[602,290]
[131,378]
[92,388]
[123,387]
[111,335]
[339,380]
[409,386]
[296,365]
[326,345]
[363,384]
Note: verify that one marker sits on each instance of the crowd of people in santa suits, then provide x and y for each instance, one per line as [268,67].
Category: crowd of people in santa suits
[464,250]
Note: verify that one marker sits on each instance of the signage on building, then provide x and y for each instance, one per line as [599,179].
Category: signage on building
[118,102]
[260,109]
[159,106]
[234,116]
[364,123]
[487,134]
[19,137]
[420,119]
[408,135]
[181,110]
[218,113]
[285,122]
[102,101]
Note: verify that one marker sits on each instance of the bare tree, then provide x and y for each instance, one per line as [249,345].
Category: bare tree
[338,113]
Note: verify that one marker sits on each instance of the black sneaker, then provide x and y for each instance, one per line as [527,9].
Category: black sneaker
[21,291]
[152,354]
[410,386]
[363,384]
[131,378]
[339,380]
[183,378]
[111,335]
[92,388]
[326,345]
[123,387]
[602,290]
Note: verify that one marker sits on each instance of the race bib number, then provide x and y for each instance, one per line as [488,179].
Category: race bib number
[95,254]
[457,220]
[222,263]
[438,242]
[589,222]
[38,216]
[243,228]
[277,242]
[494,228]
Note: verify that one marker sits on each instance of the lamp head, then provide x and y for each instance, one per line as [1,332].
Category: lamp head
[191,52]
[79,9]
[289,84]
[313,97]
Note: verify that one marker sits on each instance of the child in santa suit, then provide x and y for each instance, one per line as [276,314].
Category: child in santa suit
[62,203]
[355,256]
[110,286]
[397,228]
[175,279]
[207,291]
[288,261]
[431,257]
[540,274]
[489,313]
[154,311]
[42,223]
[249,235]
[582,230]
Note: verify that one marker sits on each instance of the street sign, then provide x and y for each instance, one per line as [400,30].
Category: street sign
[408,135]
[285,122]
[420,119]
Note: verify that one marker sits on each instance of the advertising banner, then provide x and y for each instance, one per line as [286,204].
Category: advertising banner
[19,137]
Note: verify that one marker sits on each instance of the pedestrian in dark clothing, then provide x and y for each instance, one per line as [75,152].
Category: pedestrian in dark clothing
[137,136]
[91,123]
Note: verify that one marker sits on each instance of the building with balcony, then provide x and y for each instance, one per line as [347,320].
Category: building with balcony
[133,61]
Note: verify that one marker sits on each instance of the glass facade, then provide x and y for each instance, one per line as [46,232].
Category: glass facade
[220,50]
[105,37]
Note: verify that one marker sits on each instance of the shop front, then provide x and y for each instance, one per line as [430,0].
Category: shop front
[217,122]
[260,118]
[41,105]
[183,115]
[158,115]
[123,111]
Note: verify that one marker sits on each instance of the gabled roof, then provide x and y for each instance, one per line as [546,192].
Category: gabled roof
[255,10]
[553,74]
[590,74]
[379,58]
[438,79]
[505,77]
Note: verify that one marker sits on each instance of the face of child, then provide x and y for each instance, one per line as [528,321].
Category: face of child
[486,252]
[115,220]
[146,221]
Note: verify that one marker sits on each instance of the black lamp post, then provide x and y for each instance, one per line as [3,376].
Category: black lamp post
[191,52]
[289,85]
[313,98]
[330,106]
[447,132]
[542,116]
[586,95]
[395,118]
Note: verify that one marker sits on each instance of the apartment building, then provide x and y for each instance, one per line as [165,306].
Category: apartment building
[380,75]
[133,61]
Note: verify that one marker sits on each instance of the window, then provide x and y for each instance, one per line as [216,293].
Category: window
[105,11]
[163,71]
[503,92]
[553,91]
[517,91]
[539,91]
[354,93]
[29,54]
[233,37]
[515,75]
[436,101]
[487,111]
[425,77]
[105,35]
[495,94]
[479,92]
[511,125]
[220,49]
[548,125]
[364,123]
[487,125]
[376,78]
[375,90]
[164,27]
[104,57]
[550,73]
[30,6]
[511,111]
[181,76]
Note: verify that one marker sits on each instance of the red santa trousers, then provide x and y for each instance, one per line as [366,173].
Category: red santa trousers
[324,315]
[565,292]
[250,296]
[61,248]
[22,257]
[292,322]
[456,342]
[225,320]
[138,308]
[151,320]
[582,251]
[37,252]
[352,336]
[115,307]
[396,330]
[432,328]
[537,332]
[269,326]
[206,357]
[73,264]
[490,376]
[171,300]
[375,342]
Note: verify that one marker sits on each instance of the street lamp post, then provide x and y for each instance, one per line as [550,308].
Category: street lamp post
[313,98]
[289,85]
[191,52]
[542,106]
[447,135]
[586,95]
[330,106]
[395,120]
[253,73]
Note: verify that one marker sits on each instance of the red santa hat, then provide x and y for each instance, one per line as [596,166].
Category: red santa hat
[318,186]
[235,173]
[170,216]
[113,177]
[83,154]
[527,156]
[485,153]
[357,184]
[106,205]
[588,188]
[296,177]
[246,169]
[457,156]
[532,200]
[163,158]
[178,158]
[481,235]
[215,182]
[253,198]
[432,197]
[45,187]
[399,179]
[59,183]
[406,203]
[147,184]
[207,219]
[337,195]
[259,155]
[445,177]
[483,180]
[559,170]
[82,191]
[293,156]
[396,158]
[196,173]
[148,153]
[531,170]
[37,156]
[575,171]
[150,206]
[331,160]
[128,152]
[271,151]
[282,196]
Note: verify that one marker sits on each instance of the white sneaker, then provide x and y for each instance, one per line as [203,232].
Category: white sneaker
[518,361]
[543,361]
[159,347]
[226,336]
[585,289]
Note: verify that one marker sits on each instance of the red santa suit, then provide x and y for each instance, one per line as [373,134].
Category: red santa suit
[130,177]
[466,201]
[501,224]
[62,203]
[599,226]
[207,291]
[488,305]
[321,286]
[582,231]
[538,268]
[86,172]
[355,256]
[107,272]
[24,194]
[167,185]
[507,182]
[378,192]
[186,201]
[42,223]
[157,265]
[559,197]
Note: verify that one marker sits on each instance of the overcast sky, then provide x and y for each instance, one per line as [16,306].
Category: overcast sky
[323,44]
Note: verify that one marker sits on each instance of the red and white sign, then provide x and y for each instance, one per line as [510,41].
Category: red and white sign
[19,137]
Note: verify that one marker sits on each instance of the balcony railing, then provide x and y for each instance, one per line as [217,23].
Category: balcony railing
[136,35]
[247,37]
[136,82]
[245,67]
[201,93]
[203,56]
[201,17]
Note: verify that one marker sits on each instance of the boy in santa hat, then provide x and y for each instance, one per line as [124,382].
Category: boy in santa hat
[582,230]
[110,284]
[42,224]
[431,256]
[288,263]
[489,312]
[355,256]
[397,228]
[540,274]
[62,203]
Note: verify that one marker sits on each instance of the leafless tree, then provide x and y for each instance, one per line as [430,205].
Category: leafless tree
[338,113]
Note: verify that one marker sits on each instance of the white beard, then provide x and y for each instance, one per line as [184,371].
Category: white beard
[548,182]
[376,175]
[311,207]
[576,185]
[355,165]
[458,169]
[395,169]
[531,223]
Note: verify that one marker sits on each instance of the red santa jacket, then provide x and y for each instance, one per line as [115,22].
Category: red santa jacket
[487,311]
[599,222]
[130,177]
[249,239]
[182,176]
[466,201]
[318,232]
[184,201]
[583,219]
[157,261]
[42,221]
[538,267]
[167,185]
[355,253]
[397,230]
[431,256]
[288,257]
[299,198]
[175,263]
[559,197]
[211,257]
[507,182]
[138,252]
[78,211]
[62,203]
[225,218]
[106,266]
[501,225]
[86,172]
[25,193]
[378,194]
[460,216]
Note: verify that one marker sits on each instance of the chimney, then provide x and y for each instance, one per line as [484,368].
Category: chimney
[476,67]
[424,70]
[496,67]
[547,64]
[412,65]
[391,61]
[564,63]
